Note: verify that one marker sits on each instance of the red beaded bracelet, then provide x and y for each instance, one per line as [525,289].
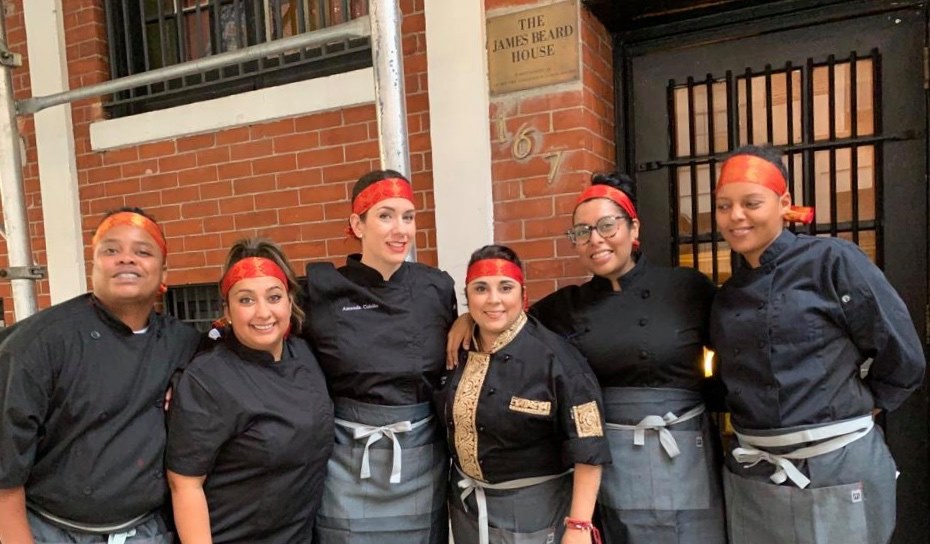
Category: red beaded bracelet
[582,525]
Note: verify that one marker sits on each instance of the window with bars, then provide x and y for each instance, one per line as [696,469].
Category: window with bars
[198,305]
[824,115]
[145,35]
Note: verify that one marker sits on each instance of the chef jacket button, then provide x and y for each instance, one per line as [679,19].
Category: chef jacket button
[645,293]
[88,491]
[845,298]
[643,354]
[480,428]
[643,321]
[158,475]
[507,357]
[491,391]
[481,462]
[95,335]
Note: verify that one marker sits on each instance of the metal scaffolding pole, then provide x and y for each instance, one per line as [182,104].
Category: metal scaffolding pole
[19,248]
[390,97]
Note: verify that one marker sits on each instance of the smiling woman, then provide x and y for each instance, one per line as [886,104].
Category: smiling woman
[524,418]
[378,325]
[253,413]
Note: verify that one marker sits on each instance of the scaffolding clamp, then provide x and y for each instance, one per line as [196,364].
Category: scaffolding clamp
[9,58]
[23,273]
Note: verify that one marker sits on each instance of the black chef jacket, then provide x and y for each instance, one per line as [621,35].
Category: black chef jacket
[82,410]
[380,342]
[261,431]
[530,408]
[793,333]
[651,333]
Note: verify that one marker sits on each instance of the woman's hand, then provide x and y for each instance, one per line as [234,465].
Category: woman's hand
[460,335]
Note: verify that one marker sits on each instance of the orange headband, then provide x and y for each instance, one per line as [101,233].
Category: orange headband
[136,220]
[497,267]
[752,169]
[381,190]
[617,196]
[608,192]
[251,267]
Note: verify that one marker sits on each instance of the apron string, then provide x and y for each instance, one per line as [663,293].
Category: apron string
[839,435]
[120,538]
[659,424]
[470,485]
[374,434]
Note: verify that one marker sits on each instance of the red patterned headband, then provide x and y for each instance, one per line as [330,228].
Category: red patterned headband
[251,267]
[496,267]
[753,169]
[135,220]
[381,190]
[608,192]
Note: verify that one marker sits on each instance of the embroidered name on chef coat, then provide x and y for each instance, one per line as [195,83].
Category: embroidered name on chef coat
[359,307]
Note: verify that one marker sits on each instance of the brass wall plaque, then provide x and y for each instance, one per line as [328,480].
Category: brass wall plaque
[533,48]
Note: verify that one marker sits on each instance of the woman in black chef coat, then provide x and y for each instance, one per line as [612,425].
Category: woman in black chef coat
[251,424]
[378,326]
[523,420]
[812,340]
[642,329]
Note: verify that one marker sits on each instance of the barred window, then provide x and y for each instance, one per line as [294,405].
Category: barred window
[145,35]
[198,305]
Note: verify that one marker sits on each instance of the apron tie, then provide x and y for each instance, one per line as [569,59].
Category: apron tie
[834,437]
[659,424]
[375,434]
[120,538]
[470,485]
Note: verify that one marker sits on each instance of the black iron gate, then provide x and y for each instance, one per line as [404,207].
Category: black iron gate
[843,93]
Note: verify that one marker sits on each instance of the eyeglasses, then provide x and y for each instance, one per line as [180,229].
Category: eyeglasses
[606,226]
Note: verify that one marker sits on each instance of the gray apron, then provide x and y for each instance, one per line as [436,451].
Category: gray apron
[386,480]
[846,494]
[151,529]
[663,486]
[526,511]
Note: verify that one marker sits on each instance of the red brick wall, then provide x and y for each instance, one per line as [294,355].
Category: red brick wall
[572,136]
[288,179]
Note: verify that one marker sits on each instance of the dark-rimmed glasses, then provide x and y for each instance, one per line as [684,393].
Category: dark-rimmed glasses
[606,226]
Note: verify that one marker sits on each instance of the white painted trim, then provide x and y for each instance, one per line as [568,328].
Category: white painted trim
[300,98]
[459,105]
[58,180]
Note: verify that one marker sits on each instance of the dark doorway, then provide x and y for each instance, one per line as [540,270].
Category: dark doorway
[842,90]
